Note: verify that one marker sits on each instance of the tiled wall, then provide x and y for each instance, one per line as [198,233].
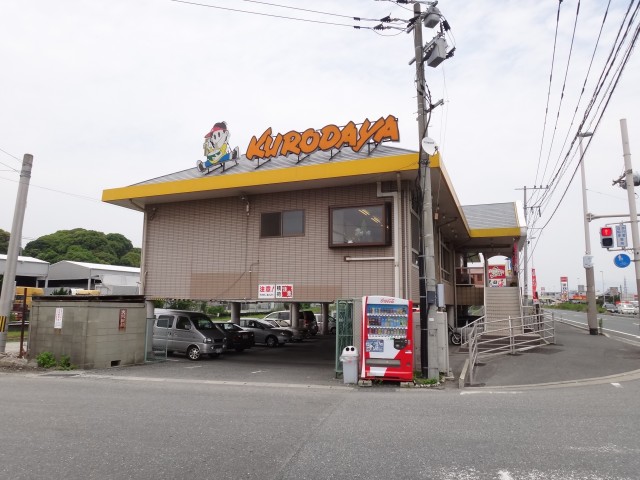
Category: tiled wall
[211,249]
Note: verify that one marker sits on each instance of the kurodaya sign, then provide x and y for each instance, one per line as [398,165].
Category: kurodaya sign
[328,137]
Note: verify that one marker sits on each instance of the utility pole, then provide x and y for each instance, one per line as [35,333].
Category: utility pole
[14,246]
[428,332]
[633,213]
[587,261]
[525,277]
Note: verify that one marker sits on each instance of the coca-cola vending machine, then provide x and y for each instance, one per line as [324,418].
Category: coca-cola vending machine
[387,339]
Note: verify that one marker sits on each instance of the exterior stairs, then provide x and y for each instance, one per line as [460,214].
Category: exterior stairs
[502,303]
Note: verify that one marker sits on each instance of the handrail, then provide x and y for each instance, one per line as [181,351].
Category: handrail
[483,342]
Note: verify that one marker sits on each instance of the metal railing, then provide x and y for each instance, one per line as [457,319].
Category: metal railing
[485,339]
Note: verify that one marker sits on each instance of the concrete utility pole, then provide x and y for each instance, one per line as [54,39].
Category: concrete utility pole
[14,247]
[633,213]
[525,276]
[592,312]
[428,331]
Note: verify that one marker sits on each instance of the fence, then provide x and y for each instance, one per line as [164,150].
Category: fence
[485,339]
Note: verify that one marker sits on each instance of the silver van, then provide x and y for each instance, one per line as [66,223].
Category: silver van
[191,333]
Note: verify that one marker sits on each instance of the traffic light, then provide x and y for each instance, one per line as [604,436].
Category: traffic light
[606,237]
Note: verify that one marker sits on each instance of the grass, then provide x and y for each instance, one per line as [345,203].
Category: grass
[14,336]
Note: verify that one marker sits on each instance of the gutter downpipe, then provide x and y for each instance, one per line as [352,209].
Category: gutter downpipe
[396,233]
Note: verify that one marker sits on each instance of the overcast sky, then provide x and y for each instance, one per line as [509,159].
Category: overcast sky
[107,93]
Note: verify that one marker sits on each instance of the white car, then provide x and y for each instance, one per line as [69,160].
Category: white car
[332,323]
[627,309]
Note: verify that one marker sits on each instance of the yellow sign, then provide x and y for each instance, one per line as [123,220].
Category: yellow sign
[328,137]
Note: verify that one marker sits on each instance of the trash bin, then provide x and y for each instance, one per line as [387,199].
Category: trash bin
[349,359]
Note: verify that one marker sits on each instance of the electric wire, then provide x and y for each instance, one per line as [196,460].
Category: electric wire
[313,11]
[31,185]
[564,85]
[271,15]
[546,110]
[615,82]
[596,94]
[584,84]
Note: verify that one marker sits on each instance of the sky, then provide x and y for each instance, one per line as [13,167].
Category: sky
[108,93]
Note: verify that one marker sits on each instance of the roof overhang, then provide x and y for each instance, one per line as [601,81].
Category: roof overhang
[300,177]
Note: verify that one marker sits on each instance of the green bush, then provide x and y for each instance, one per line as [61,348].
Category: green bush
[65,363]
[46,360]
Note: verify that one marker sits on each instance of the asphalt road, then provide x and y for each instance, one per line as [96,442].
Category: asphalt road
[614,324]
[96,426]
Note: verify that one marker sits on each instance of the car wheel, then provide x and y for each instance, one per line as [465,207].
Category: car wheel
[193,353]
[271,341]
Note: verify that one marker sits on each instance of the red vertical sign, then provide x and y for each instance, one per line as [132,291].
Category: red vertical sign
[534,284]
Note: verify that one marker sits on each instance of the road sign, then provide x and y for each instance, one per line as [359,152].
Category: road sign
[621,235]
[622,260]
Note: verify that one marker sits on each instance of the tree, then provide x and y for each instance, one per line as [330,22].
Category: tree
[4,241]
[82,245]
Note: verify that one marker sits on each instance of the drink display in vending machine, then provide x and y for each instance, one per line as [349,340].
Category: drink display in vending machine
[387,339]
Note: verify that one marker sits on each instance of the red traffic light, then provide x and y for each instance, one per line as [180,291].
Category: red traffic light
[606,237]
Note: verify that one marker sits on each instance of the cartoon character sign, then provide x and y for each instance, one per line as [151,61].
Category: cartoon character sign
[216,147]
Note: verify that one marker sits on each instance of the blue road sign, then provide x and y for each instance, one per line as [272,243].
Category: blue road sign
[622,260]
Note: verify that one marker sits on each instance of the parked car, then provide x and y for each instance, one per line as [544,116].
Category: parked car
[332,323]
[297,335]
[191,333]
[238,338]
[610,307]
[306,319]
[265,333]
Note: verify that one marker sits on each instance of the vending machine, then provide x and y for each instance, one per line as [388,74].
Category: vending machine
[387,339]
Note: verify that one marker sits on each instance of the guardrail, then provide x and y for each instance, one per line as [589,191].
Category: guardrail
[506,336]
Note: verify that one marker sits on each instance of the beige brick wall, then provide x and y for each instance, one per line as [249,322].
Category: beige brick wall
[211,249]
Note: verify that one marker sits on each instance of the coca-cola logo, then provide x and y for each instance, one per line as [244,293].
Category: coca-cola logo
[386,300]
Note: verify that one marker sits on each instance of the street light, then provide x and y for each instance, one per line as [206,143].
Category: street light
[587,260]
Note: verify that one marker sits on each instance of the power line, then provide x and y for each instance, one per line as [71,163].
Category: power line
[314,11]
[237,10]
[546,110]
[83,197]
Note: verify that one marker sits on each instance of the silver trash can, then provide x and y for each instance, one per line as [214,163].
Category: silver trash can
[349,359]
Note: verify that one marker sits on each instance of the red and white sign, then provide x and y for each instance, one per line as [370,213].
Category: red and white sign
[266,291]
[284,291]
[534,285]
[497,272]
[564,288]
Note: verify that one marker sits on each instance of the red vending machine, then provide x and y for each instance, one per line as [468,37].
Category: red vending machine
[387,339]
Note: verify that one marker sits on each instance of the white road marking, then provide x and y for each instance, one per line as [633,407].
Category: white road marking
[505,475]
[490,392]
[259,371]
[195,366]
[616,384]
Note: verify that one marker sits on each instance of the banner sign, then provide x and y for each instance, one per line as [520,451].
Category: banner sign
[564,288]
[328,137]
[534,285]
[275,291]
[497,272]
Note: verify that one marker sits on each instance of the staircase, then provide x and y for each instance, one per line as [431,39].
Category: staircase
[500,304]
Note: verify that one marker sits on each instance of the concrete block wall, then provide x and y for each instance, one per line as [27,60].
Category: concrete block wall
[90,335]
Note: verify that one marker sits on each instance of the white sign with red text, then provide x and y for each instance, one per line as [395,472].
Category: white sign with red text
[284,291]
[266,291]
